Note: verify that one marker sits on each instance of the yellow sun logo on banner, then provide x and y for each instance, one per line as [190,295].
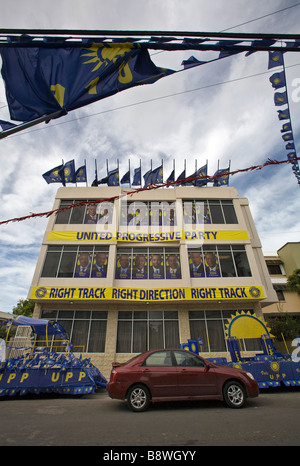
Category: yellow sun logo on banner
[104,55]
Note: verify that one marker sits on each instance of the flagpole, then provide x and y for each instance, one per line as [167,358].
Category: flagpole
[63,173]
[129,173]
[174,170]
[86,182]
[29,124]
[96,175]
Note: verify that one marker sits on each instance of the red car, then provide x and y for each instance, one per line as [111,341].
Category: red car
[175,374]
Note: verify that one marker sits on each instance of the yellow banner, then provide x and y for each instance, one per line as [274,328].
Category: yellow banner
[139,237]
[144,294]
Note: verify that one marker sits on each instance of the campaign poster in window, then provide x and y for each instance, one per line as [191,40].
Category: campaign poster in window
[123,215]
[83,265]
[188,212]
[173,269]
[137,214]
[105,211]
[91,214]
[211,264]
[202,213]
[169,214]
[196,264]
[99,269]
[156,267]
[155,215]
[140,270]
[123,267]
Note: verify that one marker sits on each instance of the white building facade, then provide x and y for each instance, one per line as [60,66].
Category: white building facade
[149,270]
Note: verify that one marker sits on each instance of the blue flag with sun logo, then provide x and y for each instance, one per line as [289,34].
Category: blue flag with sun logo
[43,80]
[54,175]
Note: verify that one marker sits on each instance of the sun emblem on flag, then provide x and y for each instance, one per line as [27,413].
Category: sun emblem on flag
[105,55]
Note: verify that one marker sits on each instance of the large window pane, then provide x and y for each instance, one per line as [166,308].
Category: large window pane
[202,213]
[63,216]
[67,263]
[77,214]
[144,330]
[198,330]
[83,264]
[67,325]
[216,212]
[226,263]
[188,212]
[51,264]
[140,340]
[123,266]
[80,335]
[229,213]
[216,336]
[91,216]
[242,264]
[156,338]
[171,334]
[97,336]
[124,337]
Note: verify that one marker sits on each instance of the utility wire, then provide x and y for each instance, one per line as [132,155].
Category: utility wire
[149,101]
[261,17]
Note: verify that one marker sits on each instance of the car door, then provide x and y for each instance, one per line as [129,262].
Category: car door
[194,378]
[160,374]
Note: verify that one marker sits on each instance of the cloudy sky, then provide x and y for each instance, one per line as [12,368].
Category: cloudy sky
[217,112]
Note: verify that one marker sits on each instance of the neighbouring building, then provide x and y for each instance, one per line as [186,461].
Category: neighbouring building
[149,270]
[280,265]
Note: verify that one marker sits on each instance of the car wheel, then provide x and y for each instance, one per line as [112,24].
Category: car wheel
[234,394]
[138,398]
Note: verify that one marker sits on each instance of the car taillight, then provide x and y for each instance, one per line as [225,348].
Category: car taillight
[113,375]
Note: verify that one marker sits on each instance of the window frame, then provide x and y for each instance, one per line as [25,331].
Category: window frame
[74,318]
[164,318]
[148,252]
[93,250]
[218,250]
[214,207]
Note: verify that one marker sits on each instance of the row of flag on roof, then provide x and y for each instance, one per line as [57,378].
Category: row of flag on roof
[67,173]
[278,81]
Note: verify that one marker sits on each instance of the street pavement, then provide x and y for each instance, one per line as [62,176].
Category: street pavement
[272,419]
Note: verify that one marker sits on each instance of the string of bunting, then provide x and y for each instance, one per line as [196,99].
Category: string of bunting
[189,179]
[279,81]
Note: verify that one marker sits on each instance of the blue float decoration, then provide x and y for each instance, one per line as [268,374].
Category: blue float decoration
[38,370]
[269,368]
